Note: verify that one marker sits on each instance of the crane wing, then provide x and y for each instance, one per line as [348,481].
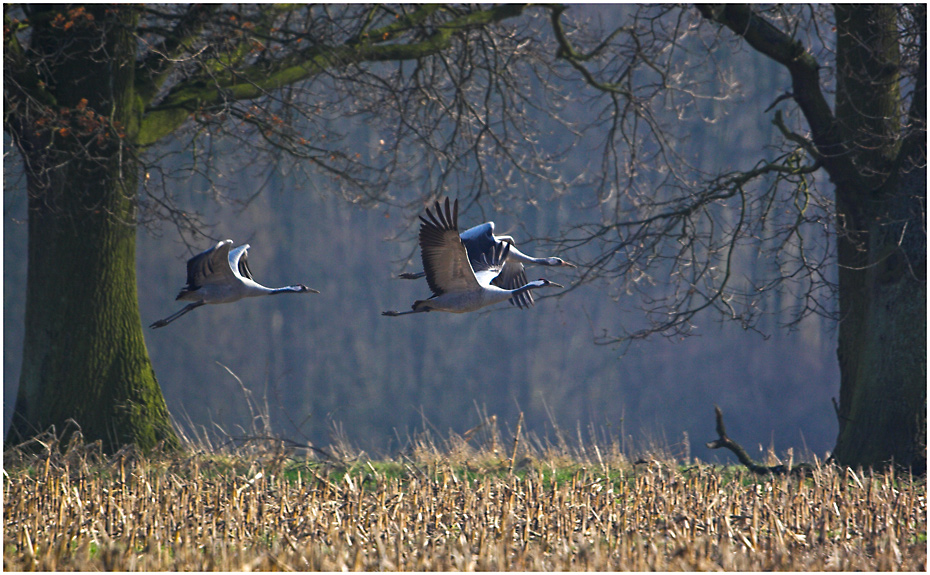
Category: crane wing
[238,260]
[244,270]
[445,259]
[208,266]
[479,240]
[488,268]
[511,277]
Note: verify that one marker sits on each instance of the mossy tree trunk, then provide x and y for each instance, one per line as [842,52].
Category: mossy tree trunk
[84,355]
[881,247]
[882,336]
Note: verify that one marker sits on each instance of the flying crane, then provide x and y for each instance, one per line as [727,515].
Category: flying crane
[221,275]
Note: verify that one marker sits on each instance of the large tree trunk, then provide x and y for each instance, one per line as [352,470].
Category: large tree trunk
[84,355]
[883,336]
[882,251]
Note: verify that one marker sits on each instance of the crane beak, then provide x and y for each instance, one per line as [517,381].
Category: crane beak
[552,283]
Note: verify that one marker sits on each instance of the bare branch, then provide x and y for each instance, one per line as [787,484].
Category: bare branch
[805,76]
[260,79]
[724,441]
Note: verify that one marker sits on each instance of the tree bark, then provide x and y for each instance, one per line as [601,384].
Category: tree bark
[882,250]
[84,355]
[882,334]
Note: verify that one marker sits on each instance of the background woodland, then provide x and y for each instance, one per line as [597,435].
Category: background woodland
[330,366]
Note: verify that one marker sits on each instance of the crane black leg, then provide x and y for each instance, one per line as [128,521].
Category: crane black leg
[174,316]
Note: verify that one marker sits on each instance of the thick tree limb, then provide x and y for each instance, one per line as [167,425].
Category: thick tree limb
[723,440]
[156,68]
[254,81]
[805,77]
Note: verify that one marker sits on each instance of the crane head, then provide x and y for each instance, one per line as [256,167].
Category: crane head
[543,282]
[558,262]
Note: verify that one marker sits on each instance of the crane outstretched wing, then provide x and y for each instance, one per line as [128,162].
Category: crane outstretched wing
[489,266]
[445,259]
[513,276]
[208,266]
[479,240]
[239,260]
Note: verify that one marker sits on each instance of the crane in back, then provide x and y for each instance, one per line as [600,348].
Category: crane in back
[461,285]
[481,240]
[221,275]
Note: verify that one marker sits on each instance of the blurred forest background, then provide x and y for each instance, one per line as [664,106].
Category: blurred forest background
[330,366]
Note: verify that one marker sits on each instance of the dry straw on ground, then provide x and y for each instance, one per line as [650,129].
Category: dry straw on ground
[459,509]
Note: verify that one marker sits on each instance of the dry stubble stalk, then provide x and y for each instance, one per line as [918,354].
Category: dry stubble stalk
[195,515]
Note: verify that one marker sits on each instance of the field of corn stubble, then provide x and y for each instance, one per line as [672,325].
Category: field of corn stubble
[458,508]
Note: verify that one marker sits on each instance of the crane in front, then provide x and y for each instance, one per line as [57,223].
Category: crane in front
[458,284]
[481,240]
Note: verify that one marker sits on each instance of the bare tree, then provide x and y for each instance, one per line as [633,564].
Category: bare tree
[861,239]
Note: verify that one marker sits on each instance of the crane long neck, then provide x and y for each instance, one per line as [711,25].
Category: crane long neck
[527,287]
[252,288]
[285,289]
[519,256]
